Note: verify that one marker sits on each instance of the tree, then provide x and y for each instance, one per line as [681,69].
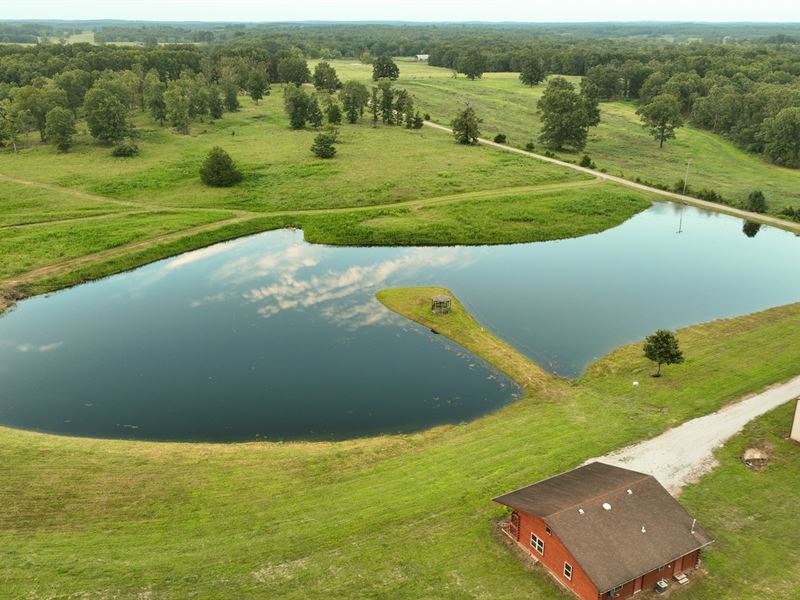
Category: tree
[296,103]
[333,113]
[662,116]
[591,102]
[60,127]
[325,79]
[231,96]
[177,102]
[75,83]
[13,123]
[532,71]
[314,113]
[781,137]
[375,106]
[324,145]
[106,115]
[565,121]
[293,69]
[387,102]
[354,97]
[756,202]
[465,126]
[216,107]
[38,101]
[472,64]
[662,348]
[153,94]
[257,85]
[384,68]
[218,169]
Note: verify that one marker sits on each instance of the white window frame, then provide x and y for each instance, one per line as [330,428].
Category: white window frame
[537,543]
[615,592]
[568,567]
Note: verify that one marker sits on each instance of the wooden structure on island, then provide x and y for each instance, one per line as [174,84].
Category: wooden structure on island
[441,304]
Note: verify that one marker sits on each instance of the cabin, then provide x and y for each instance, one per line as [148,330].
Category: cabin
[605,532]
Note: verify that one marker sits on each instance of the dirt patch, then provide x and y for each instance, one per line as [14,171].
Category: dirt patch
[758,457]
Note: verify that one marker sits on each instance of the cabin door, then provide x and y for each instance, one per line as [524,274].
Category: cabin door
[637,584]
[677,568]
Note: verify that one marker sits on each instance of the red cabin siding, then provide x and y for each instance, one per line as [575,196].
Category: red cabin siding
[556,554]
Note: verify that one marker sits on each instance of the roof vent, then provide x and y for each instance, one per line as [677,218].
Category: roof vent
[630,492]
[580,511]
[606,506]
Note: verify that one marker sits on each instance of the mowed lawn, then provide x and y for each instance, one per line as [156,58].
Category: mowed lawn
[620,145]
[395,517]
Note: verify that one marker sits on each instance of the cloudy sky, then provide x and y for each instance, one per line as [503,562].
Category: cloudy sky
[407,10]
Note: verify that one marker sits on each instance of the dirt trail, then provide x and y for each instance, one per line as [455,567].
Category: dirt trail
[729,210]
[685,453]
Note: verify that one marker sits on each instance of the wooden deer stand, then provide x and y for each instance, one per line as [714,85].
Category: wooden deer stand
[441,305]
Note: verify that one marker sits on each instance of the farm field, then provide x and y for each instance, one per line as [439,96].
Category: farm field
[619,144]
[113,518]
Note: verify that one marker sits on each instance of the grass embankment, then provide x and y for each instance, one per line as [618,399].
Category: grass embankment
[387,186]
[620,144]
[461,327]
[390,517]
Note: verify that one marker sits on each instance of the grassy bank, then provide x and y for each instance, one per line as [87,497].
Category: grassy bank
[388,517]
[620,144]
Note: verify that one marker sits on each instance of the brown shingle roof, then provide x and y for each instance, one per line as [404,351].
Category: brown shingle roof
[643,530]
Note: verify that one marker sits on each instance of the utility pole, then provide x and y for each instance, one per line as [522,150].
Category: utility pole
[685,185]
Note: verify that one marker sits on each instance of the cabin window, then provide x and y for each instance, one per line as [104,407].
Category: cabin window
[537,544]
[547,531]
[615,592]
[568,571]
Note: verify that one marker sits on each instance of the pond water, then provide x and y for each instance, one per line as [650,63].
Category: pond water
[271,337]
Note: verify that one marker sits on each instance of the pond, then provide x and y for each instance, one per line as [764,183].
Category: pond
[268,337]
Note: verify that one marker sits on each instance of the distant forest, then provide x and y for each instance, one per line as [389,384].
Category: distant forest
[741,81]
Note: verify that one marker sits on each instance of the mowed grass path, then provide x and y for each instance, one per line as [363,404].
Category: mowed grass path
[619,144]
[393,517]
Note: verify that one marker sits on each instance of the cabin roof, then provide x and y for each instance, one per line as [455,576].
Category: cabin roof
[616,523]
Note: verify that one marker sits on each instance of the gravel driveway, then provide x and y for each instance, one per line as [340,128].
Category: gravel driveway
[683,454]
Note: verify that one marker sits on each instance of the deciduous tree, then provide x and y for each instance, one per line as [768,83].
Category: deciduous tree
[325,78]
[662,348]
[661,117]
[354,96]
[385,68]
[531,71]
[465,126]
[106,115]
[565,121]
[60,127]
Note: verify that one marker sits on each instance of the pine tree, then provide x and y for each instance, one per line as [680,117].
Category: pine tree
[465,126]
[323,145]
[314,113]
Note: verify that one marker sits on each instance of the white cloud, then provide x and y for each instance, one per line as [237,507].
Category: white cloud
[28,347]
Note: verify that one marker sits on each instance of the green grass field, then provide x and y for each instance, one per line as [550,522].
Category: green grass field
[387,185]
[619,144]
[396,517]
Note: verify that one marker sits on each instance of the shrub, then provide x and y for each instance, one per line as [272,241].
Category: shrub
[426,117]
[586,161]
[709,195]
[756,202]
[530,146]
[678,187]
[500,138]
[323,146]
[218,169]
[125,148]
